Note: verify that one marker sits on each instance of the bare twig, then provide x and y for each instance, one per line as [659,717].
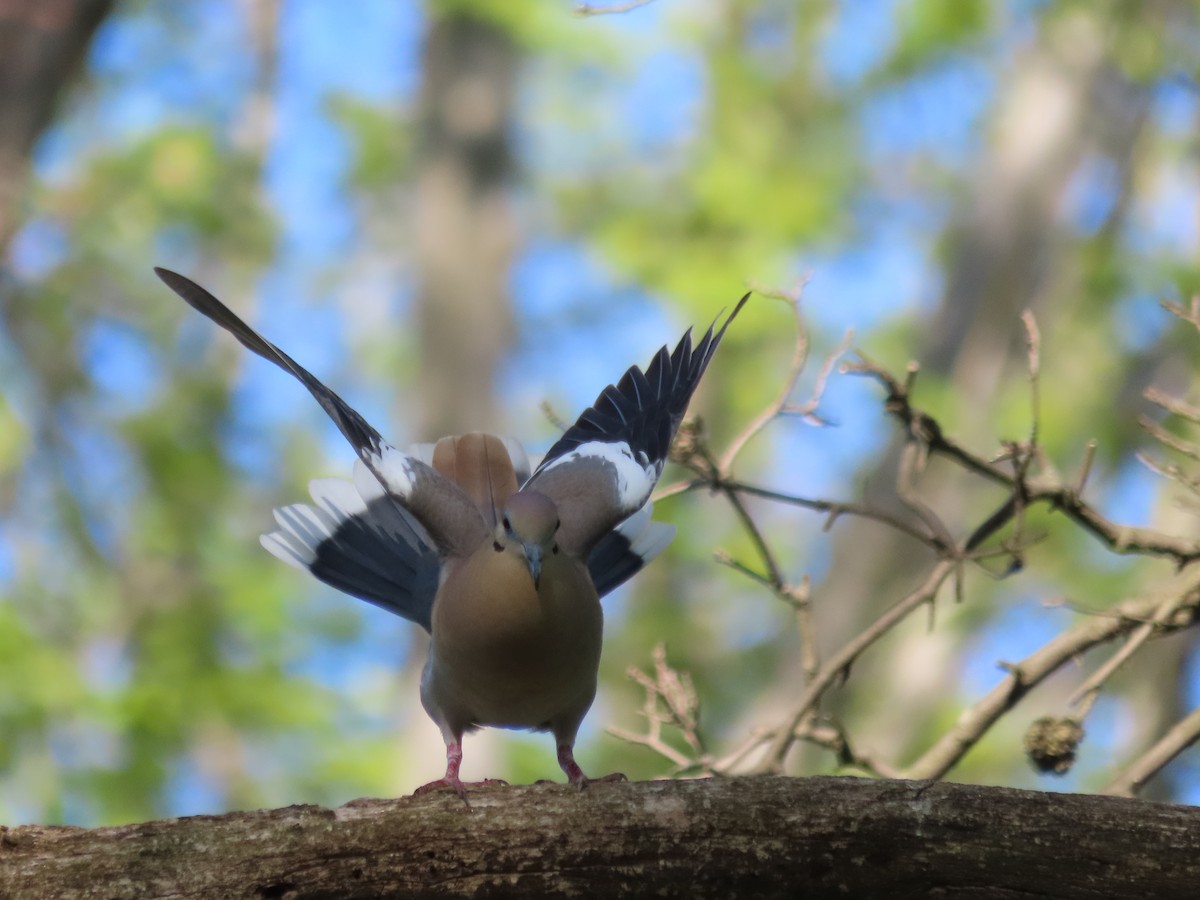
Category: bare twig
[975,721]
[1085,467]
[756,537]
[670,700]
[780,405]
[1190,313]
[807,409]
[1163,613]
[841,661]
[1185,733]
[835,508]
[588,9]
[1035,489]
[1170,404]
[553,417]
[1169,471]
[1033,341]
[1188,448]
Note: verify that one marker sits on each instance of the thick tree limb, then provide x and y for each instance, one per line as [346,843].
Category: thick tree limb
[765,836]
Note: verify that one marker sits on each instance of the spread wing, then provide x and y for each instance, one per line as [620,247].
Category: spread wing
[604,467]
[447,514]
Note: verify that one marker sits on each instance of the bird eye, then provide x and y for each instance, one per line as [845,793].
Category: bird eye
[504,522]
[554,549]
[497,546]
[557,524]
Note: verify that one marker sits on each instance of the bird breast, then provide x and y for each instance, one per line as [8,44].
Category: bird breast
[512,654]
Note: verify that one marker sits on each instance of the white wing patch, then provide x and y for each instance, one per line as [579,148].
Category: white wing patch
[646,537]
[366,483]
[282,546]
[338,497]
[394,468]
[634,477]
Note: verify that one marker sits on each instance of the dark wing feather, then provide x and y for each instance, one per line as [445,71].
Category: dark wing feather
[440,506]
[374,550]
[604,467]
[644,409]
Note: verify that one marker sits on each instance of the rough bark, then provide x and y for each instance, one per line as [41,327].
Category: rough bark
[765,837]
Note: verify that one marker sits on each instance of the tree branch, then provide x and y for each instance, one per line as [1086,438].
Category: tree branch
[764,837]
[1032,489]
[975,721]
[1179,738]
[837,667]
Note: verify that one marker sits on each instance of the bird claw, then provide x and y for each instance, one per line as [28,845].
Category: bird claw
[459,787]
[583,781]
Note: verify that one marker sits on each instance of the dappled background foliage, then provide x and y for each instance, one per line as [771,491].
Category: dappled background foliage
[495,205]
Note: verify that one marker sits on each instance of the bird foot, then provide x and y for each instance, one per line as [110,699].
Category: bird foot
[566,760]
[583,781]
[459,787]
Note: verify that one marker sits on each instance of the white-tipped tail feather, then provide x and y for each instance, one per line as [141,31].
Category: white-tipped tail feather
[358,539]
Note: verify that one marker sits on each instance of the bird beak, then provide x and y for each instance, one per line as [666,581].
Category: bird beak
[533,556]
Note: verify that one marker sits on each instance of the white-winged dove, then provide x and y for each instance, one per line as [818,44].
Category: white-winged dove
[504,569]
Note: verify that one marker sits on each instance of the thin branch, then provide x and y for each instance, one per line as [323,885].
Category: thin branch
[670,700]
[553,417]
[1185,733]
[1188,448]
[1118,538]
[975,721]
[795,368]
[588,9]
[1170,404]
[756,537]
[1033,340]
[1169,471]
[781,404]
[1190,313]
[835,508]
[1165,611]
[1085,467]
[732,760]
[840,663]
[807,409]
[798,597]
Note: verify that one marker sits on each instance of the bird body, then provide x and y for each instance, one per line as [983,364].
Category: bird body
[503,567]
[506,653]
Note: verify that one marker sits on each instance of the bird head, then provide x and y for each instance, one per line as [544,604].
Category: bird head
[529,522]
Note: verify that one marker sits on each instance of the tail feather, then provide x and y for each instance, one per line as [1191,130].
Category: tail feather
[367,546]
[625,550]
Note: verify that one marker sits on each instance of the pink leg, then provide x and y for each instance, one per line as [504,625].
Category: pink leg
[566,759]
[451,781]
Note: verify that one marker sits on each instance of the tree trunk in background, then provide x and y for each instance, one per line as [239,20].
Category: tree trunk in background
[42,43]
[466,232]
